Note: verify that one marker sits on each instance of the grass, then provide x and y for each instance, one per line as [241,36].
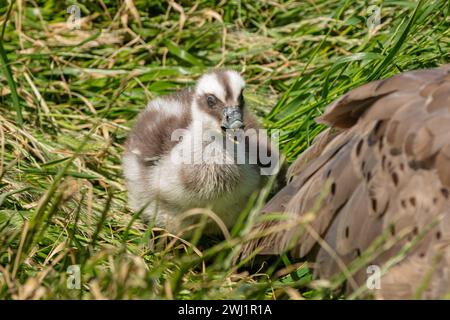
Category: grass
[69,97]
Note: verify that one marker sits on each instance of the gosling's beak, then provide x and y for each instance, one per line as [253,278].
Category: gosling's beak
[232,118]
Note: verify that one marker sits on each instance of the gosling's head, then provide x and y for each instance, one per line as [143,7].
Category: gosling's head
[219,100]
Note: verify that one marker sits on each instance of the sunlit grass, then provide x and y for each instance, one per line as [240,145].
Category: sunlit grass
[62,197]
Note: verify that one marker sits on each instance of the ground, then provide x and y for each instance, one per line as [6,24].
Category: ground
[69,92]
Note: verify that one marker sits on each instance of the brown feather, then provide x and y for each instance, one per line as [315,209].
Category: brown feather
[381,172]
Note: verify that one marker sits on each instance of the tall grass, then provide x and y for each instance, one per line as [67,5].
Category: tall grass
[62,197]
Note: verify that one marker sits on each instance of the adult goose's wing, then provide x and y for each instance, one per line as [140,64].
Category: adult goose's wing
[381,171]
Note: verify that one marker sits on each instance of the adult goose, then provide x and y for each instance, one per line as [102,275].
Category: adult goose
[375,185]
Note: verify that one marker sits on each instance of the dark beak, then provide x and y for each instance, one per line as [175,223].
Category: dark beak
[232,118]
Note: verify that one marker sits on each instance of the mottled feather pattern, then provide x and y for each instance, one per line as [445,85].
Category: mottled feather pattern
[387,170]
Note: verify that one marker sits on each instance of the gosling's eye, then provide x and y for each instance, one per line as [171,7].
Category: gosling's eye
[211,101]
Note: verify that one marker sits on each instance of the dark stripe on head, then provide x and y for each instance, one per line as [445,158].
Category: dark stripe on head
[224,81]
